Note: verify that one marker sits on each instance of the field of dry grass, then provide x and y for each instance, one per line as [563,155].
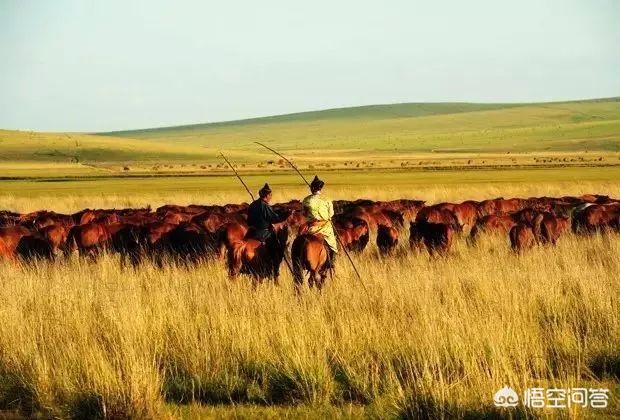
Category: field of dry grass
[430,337]
[435,337]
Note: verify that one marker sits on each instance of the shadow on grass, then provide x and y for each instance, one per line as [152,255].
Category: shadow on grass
[424,407]
[17,394]
[604,366]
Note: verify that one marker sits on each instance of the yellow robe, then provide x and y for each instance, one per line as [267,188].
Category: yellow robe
[319,211]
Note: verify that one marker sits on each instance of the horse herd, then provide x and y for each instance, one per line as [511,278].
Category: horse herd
[195,233]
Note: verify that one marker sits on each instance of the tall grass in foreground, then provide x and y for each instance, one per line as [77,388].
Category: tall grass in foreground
[433,337]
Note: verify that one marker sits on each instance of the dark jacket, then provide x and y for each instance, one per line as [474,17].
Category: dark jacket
[260,218]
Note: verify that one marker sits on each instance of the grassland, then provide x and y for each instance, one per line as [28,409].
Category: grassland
[73,194]
[401,147]
[569,126]
[64,148]
[406,135]
[431,338]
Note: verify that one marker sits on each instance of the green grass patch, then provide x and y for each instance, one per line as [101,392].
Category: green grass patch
[407,180]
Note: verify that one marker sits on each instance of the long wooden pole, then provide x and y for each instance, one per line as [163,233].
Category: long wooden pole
[235,171]
[330,221]
[286,159]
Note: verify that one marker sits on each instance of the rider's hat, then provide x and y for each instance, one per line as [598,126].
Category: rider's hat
[265,191]
[316,184]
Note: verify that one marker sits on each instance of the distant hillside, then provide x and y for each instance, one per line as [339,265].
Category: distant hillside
[370,133]
[79,148]
[418,127]
[384,111]
[406,110]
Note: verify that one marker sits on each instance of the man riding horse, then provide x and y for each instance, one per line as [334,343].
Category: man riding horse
[262,250]
[319,212]
[262,217]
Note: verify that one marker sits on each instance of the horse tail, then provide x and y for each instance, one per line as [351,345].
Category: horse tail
[537,227]
[221,242]
[70,244]
[235,257]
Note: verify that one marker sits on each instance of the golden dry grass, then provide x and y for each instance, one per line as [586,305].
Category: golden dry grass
[432,337]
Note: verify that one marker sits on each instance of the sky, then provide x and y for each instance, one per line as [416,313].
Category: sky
[80,65]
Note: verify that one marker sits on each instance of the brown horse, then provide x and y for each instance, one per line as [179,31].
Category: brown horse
[437,237]
[309,252]
[229,234]
[18,241]
[9,240]
[522,237]
[352,231]
[491,224]
[387,239]
[56,236]
[548,227]
[259,259]
[91,238]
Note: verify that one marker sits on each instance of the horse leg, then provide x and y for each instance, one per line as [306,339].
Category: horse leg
[222,251]
[275,272]
[234,265]
[158,258]
[315,279]
[257,280]
[297,285]
[321,280]
[298,279]
[123,258]
[136,257]
[91,254]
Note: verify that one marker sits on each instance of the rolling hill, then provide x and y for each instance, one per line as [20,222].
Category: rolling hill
[367,132]
[76,147]
[418,127]
[405,110]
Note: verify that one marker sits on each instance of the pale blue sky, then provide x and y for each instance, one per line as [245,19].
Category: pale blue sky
[119,64]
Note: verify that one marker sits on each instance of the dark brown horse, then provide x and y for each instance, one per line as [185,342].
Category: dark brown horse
[259,259]
[19,242]
[387,239]
[436,237]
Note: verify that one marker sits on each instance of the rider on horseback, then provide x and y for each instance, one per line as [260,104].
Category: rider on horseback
[261,218]
[319,211]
